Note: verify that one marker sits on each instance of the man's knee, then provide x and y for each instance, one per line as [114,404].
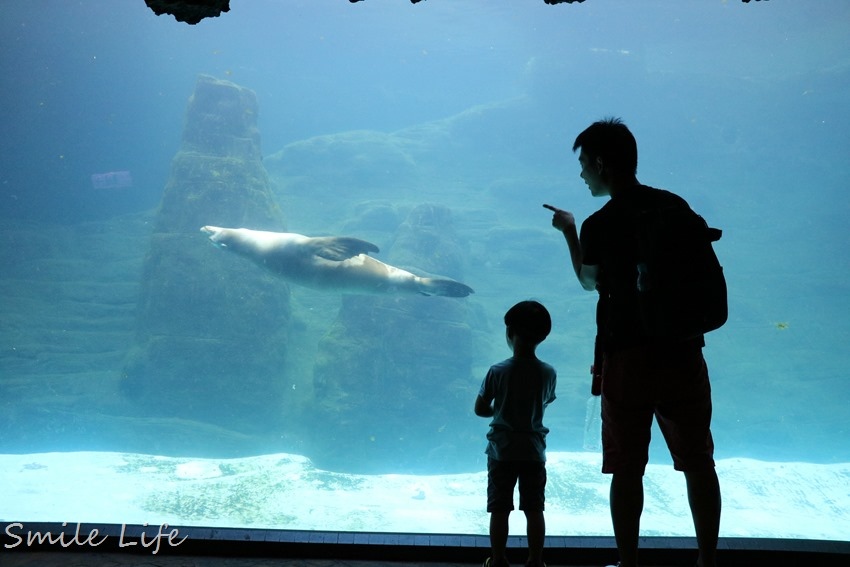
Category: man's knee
[626,483]
[627,477]
[701,475]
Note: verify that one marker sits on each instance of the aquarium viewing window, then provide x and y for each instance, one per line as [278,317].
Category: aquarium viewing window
[154,370]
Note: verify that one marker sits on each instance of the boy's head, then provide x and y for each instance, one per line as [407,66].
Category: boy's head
[529,320]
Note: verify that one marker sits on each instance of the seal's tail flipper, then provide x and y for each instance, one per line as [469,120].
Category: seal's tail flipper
[443,287]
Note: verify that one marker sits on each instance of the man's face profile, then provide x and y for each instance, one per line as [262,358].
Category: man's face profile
[591,174]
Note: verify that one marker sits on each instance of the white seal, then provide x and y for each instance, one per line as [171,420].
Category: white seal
[329,262]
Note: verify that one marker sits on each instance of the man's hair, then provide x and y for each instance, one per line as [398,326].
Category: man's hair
[612,141]
[530,320]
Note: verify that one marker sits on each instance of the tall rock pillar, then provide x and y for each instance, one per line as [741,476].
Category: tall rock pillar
[211,329]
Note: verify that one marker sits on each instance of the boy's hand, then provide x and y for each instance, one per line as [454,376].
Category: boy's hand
[562,220]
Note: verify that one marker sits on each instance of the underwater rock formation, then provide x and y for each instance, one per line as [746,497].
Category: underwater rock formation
[391,376]
[211,333]
[324,176]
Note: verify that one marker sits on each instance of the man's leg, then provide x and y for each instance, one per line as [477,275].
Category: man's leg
[704,500]
[685,420]
[498,538]
[626,507]
[628,404]
[536,532]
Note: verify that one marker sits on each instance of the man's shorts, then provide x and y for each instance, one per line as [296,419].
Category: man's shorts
[502,477]
[670,384]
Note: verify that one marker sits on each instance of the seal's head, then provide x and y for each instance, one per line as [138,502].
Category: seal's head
[216,235]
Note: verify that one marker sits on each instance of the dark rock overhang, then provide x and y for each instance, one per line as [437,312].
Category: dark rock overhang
[193,11]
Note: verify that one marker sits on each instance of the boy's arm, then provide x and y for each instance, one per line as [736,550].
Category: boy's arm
[483,408]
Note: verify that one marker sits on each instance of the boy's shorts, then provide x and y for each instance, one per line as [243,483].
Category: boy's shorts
[502,477]
[671,385]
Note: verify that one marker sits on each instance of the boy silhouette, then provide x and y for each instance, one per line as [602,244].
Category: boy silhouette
[515,394]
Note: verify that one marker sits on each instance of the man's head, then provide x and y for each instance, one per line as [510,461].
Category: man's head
[528,320]
[608,155]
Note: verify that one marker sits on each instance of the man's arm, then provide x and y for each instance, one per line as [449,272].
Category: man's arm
[565,222]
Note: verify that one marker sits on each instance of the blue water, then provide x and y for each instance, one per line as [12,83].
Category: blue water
[740,108]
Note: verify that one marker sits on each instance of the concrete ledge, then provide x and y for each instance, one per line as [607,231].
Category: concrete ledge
[168,540]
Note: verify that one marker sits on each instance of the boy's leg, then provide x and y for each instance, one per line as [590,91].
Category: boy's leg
[498,538]
[536,532]
[532,489]
[501,480]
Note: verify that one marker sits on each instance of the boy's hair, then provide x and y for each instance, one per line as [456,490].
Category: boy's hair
[530,320]
[612,141]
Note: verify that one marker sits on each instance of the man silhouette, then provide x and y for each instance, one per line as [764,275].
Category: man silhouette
[641,378]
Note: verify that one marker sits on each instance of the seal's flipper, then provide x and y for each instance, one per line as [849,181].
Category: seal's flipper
[339,248]
[444,287]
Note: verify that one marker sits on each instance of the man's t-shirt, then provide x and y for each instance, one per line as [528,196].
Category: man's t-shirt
[608,241]
[521,389]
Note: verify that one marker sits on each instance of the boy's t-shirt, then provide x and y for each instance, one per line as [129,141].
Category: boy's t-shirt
[521,389]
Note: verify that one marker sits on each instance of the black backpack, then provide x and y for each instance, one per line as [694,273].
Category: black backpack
[681,288]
